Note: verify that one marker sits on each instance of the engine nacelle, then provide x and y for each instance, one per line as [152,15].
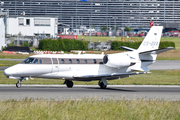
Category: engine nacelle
[117,61]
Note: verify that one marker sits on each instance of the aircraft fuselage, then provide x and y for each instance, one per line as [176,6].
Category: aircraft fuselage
[62,67]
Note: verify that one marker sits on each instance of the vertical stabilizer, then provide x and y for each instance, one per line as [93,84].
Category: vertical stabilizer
[152,39]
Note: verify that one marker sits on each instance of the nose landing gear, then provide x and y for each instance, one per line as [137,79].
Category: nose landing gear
[18,84]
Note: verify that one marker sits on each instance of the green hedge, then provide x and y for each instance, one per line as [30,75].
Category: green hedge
[62,45]
[115,45]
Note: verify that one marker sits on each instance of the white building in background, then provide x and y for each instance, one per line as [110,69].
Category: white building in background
[30,26]
[2,34]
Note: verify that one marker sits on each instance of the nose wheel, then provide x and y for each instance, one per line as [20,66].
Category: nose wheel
[18,84]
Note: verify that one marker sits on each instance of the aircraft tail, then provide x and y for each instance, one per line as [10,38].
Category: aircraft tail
[150,43]
[148,49]
[152,39]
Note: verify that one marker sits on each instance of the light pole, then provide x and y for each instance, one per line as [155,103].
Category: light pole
[90,29]
[123,31]
[72,25]
[115,21]
[164,11]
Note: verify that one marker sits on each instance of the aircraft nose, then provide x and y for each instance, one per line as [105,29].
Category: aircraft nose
[8,72]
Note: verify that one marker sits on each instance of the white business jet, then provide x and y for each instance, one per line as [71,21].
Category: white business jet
[88,67]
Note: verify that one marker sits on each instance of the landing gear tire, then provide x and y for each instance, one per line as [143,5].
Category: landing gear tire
[18,85]
[69,84]
[102,86]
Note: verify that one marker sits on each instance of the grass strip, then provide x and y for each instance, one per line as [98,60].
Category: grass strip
[13,56]
[8,63]
[157,77]
[169,55]
[89,109]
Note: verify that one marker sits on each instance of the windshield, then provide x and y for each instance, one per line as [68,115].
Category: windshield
[28,60]
[36,61]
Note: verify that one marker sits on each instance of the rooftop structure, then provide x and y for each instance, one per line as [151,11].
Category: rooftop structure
[96,13]
[31,26]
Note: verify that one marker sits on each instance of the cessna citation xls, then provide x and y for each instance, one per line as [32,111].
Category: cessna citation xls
[88,67]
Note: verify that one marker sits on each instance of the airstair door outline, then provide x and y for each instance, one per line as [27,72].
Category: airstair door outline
[55,66]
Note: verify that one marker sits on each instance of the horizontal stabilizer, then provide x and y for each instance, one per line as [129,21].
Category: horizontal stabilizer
[157,51]
[109,75]
[128,48]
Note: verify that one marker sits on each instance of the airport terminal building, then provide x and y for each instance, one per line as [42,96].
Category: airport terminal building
[77,13]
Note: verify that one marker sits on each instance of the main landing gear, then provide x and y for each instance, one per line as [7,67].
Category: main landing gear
[18,84]
[103,83]
[69,83]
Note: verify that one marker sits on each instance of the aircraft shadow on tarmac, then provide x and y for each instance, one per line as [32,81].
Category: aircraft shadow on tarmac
[110,89]
[37,88]
[92,88]
[149,90]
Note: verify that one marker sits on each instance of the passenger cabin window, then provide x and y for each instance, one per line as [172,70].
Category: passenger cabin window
[94,61]
[40,61]
[85,61]
[62,61]
[70,61]
[78,61]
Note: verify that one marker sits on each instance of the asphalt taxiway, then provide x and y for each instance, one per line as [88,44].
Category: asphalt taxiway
[59,92]
[165,65]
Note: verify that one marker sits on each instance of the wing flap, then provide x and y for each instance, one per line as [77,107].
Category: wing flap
[109,75]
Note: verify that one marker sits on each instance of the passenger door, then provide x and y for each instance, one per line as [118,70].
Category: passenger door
[55,66]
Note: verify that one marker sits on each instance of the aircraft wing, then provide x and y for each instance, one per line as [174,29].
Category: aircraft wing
[157,51]
[121,75]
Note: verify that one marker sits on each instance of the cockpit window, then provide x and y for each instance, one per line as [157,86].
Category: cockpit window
[28,60]
[36,61]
